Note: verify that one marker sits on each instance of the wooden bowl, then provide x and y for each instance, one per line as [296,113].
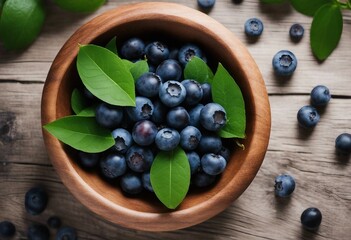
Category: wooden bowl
[176,22]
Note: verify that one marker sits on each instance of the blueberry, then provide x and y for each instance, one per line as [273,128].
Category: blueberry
[193,92]
[7,229]
[172,93]
[88,160]
[88,94]
[194,162]
[169,70]
[202,179]
[131,183]
[139,159]
[190,138]
[133,49]
[284,63]
[160,111]
[253,27]
[207,95]
[156,52]
[173,53]
[123,140]
[225,152]
[148,84]
[145,178]
[187,52]
[213,117]
[320,96]
[66,233]
[143,109]
[343,143]
[308,117]
[311,218]
[284,185]
[210,143]
[206,4]
[194,115]
[113,165]
[36,200]
[38,232]
[108,116]
[178,118]
[54,222]
[144,132]
[167,139]
[213,164]
[296,32]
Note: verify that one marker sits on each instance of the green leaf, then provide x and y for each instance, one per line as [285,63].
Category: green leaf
[88,111]
[77,101]
[128,64]
[170,177]
[104,74]
[326,30]
[21,22]
[79,5]
[139,68]
[308,7]
[81,133]
[273,1]
[1,5]
[227,93]
[112,45]
[198,70]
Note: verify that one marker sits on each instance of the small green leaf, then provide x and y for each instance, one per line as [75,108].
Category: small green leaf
[198,70]
[112,45]
[81,133]
[128,64]
[227,93]
[21,22]
[139,68]
[1,5]
[273,1]
[170,177]
[326,30]
[77,101]
[105,75]
[308,7]
[88,111]
[79,5]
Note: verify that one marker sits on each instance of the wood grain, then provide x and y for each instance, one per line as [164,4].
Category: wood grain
[323,177]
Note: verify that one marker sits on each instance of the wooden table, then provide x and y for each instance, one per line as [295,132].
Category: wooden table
[323,178]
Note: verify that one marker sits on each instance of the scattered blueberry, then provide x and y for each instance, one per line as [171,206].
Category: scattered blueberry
[210,143]
[253,27]
[311,218]
[145,177]
[66,233]
[148,84]
[139,159]
[194,161]
[206,4]
[213,117]
[178,118]
[108,116]
[284,185]
[194,115]
[156,52]
[113,165]
[144,132]
[343,143]
[308,117]
[193,92]
[213,164]
[133,49]
[131,183]
[54,222]
[296,32]
[207,95]
[123,140]
[320,96]
[284,63]
[169,70]
[167,139]
[143,109]
[190,138]
[36,200]
[202,179]
[38,232]
[7,229]
[88,160]
[187,52]
[172,93]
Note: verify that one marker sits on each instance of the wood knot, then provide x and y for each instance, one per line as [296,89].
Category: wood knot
[7,127]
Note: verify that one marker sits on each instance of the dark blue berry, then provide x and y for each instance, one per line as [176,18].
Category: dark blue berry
[143,109]
[152,68]
[133,49]
[284,63]
[169,70]
[210,144]
[54,222]
[160,111]
[131,183]
[308,117]
[225,152]
[108,116]
[173,53]
[144,132]
[148,84]
[145,177]
[343,143]
[139,159]
[206,4]
[187,52]
[190,138]
[193,92]
[213,117]
[36,200]
[172,93]
[38,232]
[178,118]
[66,233]
[194,115]
[202,179]
[88,94]
[253,27]
[88,160]
[207,94]
[113,165]
[284,185]
[123,140]
[296,32]
[7,229]
[311,218]
[213,164]
[167,139]
[320,96]
[194,161]
[156,52]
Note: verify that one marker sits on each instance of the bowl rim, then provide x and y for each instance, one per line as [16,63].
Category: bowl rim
[177,219]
